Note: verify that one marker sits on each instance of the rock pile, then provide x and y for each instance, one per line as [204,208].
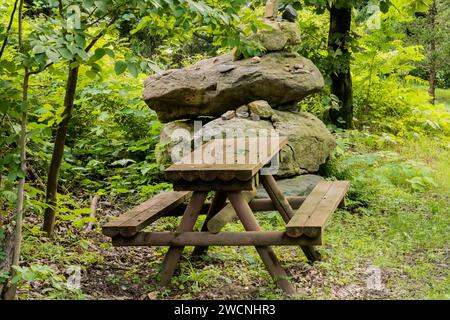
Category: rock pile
[247,94]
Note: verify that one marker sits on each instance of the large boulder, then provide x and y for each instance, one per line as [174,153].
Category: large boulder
[235,127]
[213,86]
[296,186]
[309,141]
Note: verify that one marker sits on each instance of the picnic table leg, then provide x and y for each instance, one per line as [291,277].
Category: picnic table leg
[187,223]
[217,204]
[284,208]
[266,253]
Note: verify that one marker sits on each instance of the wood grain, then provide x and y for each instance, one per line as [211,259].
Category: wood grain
[318,206]
[128,224]
[226,159]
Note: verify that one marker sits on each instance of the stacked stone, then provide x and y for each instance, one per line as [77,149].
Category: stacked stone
[254,93]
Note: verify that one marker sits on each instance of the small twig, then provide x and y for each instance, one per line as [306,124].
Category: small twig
[101,33]
[93,212]
[8,29]
[97,20]
[40,70]
[11,124]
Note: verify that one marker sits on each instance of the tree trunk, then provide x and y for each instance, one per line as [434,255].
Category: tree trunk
[60,139]
[341,80]
[58,151]
[9,291]
[432,76]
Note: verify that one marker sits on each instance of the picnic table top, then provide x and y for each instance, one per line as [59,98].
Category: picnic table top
[227,159]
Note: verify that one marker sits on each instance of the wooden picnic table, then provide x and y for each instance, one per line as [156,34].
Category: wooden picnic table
[231,169]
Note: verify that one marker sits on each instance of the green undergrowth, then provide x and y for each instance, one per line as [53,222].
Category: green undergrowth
[395,220]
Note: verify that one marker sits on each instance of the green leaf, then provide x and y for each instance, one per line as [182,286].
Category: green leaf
[66,54]
[133,69]
[99,53]
[23,106]
[40,59]
[91,74]
[103,5]
[82,54]
[120,67]
[80,40]
[52,55]
[10,196]
[421,6]
[109,52]
[38,49]
[88,3]
[141,25]
[384,6]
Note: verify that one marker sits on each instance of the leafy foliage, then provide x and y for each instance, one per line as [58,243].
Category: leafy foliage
[112,136]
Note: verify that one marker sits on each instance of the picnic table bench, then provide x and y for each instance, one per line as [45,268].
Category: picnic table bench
[231,170]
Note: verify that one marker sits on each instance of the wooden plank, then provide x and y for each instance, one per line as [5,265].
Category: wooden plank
[245,164]
[261,205]
[257,205]
[294,227]
[181,239]
[277,196]
[323,196]
[215,185]
[325,208]
[286,211]
[141,216]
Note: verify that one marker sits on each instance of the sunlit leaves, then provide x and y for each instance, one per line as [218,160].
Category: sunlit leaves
[120,67]
[133,68]
[103,5]
[422,5]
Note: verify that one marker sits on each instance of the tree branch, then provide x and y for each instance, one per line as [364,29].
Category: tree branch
[101,33]
[5,41]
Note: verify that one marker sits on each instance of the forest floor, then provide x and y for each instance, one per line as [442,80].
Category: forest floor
[391,241]
[393,248]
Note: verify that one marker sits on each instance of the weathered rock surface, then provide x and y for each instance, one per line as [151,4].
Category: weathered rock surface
[236,127]
[262,108]
[290,14]
[309,141]
[297,186]
[172,134]
[281,35]
[216,85]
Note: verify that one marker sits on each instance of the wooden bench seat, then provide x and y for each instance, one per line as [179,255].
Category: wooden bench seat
[311,217]
[131,222]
